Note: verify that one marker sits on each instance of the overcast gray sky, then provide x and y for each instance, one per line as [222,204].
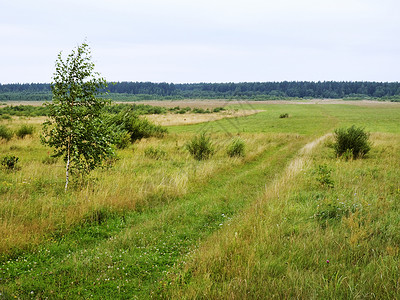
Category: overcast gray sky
[205,41]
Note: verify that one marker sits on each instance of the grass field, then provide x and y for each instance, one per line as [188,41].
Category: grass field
[287,220]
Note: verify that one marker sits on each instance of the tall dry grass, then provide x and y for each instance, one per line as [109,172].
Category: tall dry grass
[33,204]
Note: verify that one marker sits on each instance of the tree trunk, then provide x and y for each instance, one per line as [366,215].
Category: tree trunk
[67,167]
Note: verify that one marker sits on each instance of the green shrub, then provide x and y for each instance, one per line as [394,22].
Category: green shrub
[236,148]
[285,115]
[154,153]
[352,142]
[174,108]
[24,130]
[5,133]
[335,209]
[323,176]
[181,110]
[218,109]
[200,147]
[139,109]
[142,128]
[9,162]
[135,126]
[122,139]
[201,111]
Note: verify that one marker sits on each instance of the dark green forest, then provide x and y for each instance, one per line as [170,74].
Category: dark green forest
[131,91]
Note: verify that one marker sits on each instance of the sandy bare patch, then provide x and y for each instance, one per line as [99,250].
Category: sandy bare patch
[190,118]
[15,103]
[298,164]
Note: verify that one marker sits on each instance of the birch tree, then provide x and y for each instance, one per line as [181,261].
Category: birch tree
[75,128]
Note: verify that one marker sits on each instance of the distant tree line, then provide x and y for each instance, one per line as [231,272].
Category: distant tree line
[246,90]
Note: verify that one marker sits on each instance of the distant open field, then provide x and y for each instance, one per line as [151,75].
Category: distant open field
[289,219]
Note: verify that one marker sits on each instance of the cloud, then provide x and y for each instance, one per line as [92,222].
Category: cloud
[208,40]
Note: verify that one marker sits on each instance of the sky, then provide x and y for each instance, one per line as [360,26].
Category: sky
[186,41]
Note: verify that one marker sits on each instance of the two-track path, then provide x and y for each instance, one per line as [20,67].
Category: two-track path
[128,256]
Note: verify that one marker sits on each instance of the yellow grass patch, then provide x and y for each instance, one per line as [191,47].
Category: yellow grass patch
[185,119]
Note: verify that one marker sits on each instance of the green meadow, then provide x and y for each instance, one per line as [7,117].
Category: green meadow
[289,219]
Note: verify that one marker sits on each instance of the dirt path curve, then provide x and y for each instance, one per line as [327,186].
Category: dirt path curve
[298,163]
